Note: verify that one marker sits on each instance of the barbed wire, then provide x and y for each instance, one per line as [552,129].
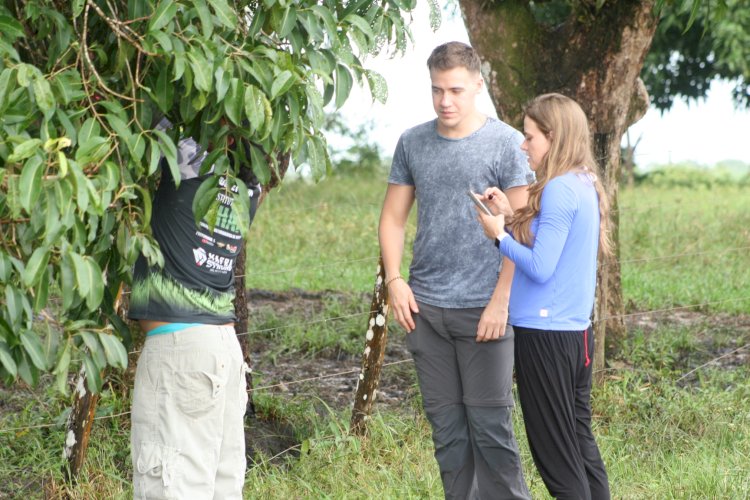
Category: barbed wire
[407,360]
[685,254]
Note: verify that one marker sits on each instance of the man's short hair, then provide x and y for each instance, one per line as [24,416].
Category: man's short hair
[453,55]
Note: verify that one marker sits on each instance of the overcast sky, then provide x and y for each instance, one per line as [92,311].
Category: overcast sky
[705,132]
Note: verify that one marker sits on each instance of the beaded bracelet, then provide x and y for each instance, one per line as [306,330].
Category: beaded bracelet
[388,282]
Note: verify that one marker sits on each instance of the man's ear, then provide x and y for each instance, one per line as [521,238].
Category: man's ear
[480,84]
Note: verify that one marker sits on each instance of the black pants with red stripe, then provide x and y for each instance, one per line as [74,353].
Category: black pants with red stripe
[553,373]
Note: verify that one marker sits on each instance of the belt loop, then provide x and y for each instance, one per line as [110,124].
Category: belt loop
[176,336]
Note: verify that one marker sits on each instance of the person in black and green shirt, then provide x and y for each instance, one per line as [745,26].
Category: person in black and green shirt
[187,436]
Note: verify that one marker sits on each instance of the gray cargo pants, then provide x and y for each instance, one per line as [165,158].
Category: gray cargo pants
[467,394]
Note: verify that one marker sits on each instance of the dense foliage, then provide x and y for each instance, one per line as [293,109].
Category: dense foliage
[682,63]
[82,84]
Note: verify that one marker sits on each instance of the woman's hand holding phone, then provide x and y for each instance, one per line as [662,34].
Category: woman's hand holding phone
[497,201]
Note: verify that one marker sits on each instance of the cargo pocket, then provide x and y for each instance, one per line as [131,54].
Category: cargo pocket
[197,392]
[157,471]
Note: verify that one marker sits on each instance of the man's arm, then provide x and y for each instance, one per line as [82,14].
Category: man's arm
[391,233]
[495,315]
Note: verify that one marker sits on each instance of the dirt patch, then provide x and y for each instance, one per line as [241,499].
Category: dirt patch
[328,378]
[331,377]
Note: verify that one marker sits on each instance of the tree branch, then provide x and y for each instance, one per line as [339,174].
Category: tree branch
[116,26]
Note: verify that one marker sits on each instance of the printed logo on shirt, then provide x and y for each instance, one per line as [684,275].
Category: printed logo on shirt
[212,262]
[200,256]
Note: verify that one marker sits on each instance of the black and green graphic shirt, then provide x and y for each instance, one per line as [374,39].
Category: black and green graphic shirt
[196,284]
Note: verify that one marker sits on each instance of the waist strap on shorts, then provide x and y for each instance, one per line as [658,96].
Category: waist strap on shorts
[171,328]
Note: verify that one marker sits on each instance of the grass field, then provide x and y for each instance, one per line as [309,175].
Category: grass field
[668,426]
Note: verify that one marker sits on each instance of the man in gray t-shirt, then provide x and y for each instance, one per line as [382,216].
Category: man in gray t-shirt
[455,304]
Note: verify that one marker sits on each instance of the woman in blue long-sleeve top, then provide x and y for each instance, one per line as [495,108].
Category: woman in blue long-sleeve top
[553,242]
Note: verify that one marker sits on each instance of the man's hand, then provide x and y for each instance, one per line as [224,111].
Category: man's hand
[492,322]
[402,303]
[497,202]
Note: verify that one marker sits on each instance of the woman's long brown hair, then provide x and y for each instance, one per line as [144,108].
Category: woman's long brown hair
[564,124]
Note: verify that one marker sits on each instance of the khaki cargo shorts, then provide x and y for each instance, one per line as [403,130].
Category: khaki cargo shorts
[187,436]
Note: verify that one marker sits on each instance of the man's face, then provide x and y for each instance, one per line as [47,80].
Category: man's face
[454,92]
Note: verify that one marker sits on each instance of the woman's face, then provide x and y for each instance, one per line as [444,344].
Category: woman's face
[535,144]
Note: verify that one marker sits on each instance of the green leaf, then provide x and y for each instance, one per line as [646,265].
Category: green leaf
[118,125]
[7,84]
[207,24]
[82,191]
[109,173]
[362,25]
[83,275]
[169,150]
[7,360]
[41,292]
[67,281]
[5,266]
[94,297]
[36,266]
[62,367]
[93,375]
[11,28]
[259,164]
[89,129]
[222,83]
[205,197]
[33,348]
[234,101]
[255,107]
[241,207]
[287,22]
[28,372]
[24,150]
[163,92]
[153,163]
[202,71]
[259,18]
[146,200]
[78,7]
[164,41]
[114,350]
[43,96]
[31,182]
[92,150]
[282,83]
[344,84]
[164,13]
[225,13]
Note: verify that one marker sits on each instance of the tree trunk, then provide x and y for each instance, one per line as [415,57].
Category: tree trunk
[593,56]
[372,360]
[241,326]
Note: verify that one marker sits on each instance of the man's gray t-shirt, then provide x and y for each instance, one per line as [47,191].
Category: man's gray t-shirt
[454,265]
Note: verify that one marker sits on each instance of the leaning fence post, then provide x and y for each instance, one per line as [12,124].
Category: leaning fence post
[81,417]
[78,428]
[372,359]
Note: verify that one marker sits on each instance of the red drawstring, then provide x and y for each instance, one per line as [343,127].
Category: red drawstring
[586,346]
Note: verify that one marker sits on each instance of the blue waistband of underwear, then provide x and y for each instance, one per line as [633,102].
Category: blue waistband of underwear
[171,328]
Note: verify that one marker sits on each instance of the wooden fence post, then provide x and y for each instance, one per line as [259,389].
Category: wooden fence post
[81,417]
[78,428]
[372,360]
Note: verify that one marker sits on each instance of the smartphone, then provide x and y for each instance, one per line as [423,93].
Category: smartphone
[475,198]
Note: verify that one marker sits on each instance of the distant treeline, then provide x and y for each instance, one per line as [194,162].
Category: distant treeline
[688,174]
